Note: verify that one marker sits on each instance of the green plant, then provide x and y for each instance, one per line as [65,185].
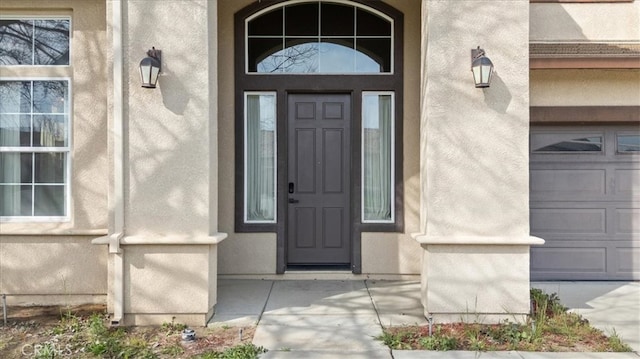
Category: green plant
[173,350]
[395,340]
[616,344]
[244,351]
[438,342]
[104,341]
[173,327]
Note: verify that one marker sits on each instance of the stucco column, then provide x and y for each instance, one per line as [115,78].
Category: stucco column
[164,259]
[474,161]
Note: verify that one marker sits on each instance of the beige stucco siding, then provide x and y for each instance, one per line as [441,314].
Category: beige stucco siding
[57,258]
[613,87]
[255,253]
[585,22]
[67,266]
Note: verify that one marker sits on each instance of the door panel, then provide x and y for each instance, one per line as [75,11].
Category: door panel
[319,175]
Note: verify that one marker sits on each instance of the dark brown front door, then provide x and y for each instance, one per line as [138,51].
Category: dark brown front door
[319,179]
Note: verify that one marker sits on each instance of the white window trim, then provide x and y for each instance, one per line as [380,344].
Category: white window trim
[245,157]
[44,17]
[294,2]
[67,150]
[392,192]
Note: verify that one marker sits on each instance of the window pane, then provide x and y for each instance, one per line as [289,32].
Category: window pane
[566,143]
[374,51]
[16,167]
[301,20]
[263,55]
[337,20]
[51,42]
[49,131]
[269,24]
[337,56]
[49,96]
[15,96]
[49,167]
[260,158]
[628,143]
[16,38]
[299,56]
[15,130]
[369,24]
[15,200]
[377,143]
[49,201]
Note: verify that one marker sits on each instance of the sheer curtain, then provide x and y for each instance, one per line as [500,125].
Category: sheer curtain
[260,158]
[377,151]
[10,203]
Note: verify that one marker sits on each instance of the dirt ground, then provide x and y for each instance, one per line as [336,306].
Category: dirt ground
[29,329]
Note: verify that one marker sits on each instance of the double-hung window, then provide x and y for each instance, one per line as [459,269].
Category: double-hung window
[34,120]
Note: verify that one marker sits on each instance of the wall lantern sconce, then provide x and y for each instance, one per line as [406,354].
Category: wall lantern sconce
[481,67]
[150,68]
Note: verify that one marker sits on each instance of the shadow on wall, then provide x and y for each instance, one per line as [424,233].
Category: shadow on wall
[548,21]
[174,94]
[499,97]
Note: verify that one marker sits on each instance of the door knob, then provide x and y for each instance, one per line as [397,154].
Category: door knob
[293,200]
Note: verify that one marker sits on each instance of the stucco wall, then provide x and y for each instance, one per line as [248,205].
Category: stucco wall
[167,128]
[61,260]
[476,155]
[611,87]
[383,253]
[585,21]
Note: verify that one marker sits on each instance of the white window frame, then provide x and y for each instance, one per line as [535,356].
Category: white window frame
[43,17]
[392,191]
[245,158]
[31,149]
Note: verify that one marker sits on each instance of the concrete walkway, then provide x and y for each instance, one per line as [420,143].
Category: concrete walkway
[321,319]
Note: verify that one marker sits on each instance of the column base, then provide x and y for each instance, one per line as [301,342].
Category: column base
[475,279]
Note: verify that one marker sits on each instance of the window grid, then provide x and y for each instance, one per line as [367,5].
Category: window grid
[33,150]
[320,37]
[33,19]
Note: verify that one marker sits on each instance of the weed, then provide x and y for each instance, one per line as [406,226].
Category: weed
[244,351]
[173,350]
[439,341]
[549,328]
[395,340]
[173,327]
[616,343]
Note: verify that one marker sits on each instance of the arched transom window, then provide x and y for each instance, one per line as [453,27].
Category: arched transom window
[319,37]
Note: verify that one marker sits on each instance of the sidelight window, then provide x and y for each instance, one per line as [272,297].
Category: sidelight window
[260,157]
[377,157]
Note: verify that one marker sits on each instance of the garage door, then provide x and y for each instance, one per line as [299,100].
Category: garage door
[585,202]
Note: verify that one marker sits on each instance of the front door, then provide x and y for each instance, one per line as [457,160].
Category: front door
[319,181]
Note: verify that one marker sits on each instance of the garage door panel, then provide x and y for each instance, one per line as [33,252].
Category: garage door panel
[627,182]
[567,259]
[568,220]
[567,182]
[627,221]
[628,261]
